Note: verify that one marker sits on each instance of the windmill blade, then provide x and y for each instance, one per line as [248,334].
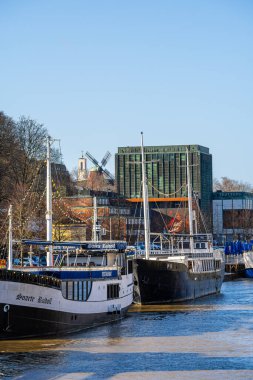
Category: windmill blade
[109,175]
[106,158]
[92,159]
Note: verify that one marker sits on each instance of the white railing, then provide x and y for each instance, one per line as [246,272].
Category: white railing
[179,252]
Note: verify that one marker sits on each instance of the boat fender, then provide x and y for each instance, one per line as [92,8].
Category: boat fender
[6,308]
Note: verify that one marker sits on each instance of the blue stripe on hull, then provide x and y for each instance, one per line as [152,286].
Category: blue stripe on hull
[78,274]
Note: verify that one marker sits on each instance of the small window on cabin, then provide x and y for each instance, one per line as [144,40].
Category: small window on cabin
[64,289]
[70,290]
[130,266]
[80,290]
[75,290]
[85,290]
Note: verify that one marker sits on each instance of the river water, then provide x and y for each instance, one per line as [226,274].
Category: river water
[210,338]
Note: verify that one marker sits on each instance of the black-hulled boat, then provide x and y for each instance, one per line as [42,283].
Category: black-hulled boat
[184,268]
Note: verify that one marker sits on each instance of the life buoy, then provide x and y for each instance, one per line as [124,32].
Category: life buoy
[6,308]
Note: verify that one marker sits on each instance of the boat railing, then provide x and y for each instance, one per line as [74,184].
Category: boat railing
[234,259]
[159,252]
[199,255]
[30,278]
[205,253]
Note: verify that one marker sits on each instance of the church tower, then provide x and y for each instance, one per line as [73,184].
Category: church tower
[82,169]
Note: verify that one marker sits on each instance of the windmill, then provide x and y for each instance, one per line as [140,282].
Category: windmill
[101,166]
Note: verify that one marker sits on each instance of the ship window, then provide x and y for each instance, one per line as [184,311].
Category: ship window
[203,245]
[75,290]
[112,291]
[80,290]
[89,285]
[70,290]
[64,289]
[130,266]
[85,290]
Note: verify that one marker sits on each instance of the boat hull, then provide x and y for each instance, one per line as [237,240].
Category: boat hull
[32,310]
[157,282]
[28,322]
[248,272]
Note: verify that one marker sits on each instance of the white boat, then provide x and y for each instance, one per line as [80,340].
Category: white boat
[184,268]
[51,300]
[248,262]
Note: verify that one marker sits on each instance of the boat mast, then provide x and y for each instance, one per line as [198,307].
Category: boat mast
[189,188]
[49,214]
[95,219]
[145,203]
[10,239]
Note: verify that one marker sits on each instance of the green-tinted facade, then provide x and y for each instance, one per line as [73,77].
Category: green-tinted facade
[166,172]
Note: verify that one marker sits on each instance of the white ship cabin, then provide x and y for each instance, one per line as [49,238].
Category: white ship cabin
[175,245]
[87,258]
[86,254]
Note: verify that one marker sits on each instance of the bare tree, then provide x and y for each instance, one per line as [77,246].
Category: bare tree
[74,174]
[23,177]
[227,184]
[9,150]
[31,137]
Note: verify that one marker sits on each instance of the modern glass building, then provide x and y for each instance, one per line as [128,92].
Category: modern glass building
[166,175]
[232,215]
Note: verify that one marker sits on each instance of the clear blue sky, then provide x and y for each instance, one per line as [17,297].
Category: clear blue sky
[96,73]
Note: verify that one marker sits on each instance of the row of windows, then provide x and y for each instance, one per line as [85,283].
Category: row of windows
[135,221]
[76,290]
[136,232]
[112,291]
[120,211]
[167,175]
[200,245]
[80,290]
[103,201]
[163,150]
[162,174]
